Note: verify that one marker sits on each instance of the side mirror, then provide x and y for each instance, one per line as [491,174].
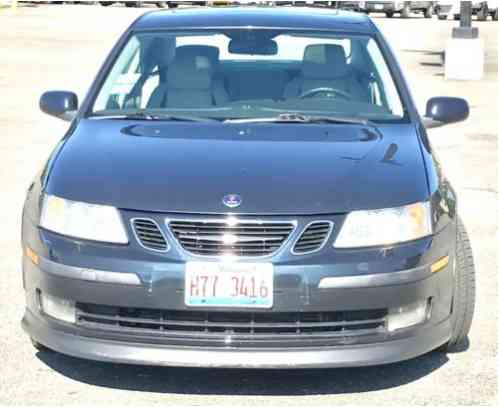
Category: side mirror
[445,110]
[60,104]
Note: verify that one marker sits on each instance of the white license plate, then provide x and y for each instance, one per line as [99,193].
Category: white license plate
[227,284]
[378,7]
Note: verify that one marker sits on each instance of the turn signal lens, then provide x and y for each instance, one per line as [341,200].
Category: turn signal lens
[30,254]
[440,264]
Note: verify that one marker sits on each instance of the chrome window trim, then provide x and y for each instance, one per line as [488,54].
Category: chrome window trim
[282,247]
[137,238]
[305,228]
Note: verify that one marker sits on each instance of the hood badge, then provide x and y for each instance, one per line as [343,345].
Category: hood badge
[232,200]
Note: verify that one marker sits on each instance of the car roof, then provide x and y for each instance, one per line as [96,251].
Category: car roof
[269,17]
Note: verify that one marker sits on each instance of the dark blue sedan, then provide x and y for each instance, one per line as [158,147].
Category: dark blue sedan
[247,187]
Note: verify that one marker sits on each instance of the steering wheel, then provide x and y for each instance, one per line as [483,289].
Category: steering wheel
[330,91]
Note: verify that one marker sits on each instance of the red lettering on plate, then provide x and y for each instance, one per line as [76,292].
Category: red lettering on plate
[263,290]
[235,282]
[194,286]
[243,287]
[253,287]
[204,284]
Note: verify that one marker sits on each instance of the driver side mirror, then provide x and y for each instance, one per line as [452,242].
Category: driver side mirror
[445,110]
[60,104]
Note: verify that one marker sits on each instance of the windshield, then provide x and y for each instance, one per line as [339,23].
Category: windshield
[250,73]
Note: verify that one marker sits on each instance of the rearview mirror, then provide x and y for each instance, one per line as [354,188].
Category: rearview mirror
[445,110]
[60,104]
[253,46]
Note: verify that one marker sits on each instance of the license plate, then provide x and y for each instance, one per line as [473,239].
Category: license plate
[212,284]
[378,7]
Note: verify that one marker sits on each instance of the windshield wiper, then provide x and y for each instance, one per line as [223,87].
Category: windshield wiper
[153,117]
[301,118]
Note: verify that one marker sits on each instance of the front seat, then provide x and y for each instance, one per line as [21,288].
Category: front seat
[189,83]
[213,54]
[325,66]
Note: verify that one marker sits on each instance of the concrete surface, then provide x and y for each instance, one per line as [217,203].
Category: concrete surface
[61,48]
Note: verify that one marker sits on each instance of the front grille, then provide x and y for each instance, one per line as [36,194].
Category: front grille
[149,234]
[313,238]
[247,328]
[240,238]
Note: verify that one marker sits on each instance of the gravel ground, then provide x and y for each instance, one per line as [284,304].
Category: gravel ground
[61,48]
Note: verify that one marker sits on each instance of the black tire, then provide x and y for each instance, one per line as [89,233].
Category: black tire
[465,292]
[38,346]
[106,3]
[133,3]
[389,14]
[429,12]
[482,14]
[405,13]
[442,16]
[456,17]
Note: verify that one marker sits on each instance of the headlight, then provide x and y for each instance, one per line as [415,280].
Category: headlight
[385,226]
[82,221]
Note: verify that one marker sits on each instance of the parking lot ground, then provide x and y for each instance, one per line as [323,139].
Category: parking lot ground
[49,47]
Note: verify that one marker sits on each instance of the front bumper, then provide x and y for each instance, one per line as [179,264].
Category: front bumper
[366,279]
[152,354]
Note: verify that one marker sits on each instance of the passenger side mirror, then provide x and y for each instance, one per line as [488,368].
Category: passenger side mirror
[445,110]
[60,104]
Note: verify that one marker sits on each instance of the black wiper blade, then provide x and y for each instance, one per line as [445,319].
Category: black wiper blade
[301,118]
[153,117]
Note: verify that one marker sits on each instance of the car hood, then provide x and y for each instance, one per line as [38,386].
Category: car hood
[276,168]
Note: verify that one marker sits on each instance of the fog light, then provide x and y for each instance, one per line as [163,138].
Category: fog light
[58,308]
[408,315]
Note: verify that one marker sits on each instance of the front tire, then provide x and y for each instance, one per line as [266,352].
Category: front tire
[389,14]
[465,291]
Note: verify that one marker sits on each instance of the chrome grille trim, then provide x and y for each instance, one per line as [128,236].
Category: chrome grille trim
[205,237]
[305,230]
[156,246]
